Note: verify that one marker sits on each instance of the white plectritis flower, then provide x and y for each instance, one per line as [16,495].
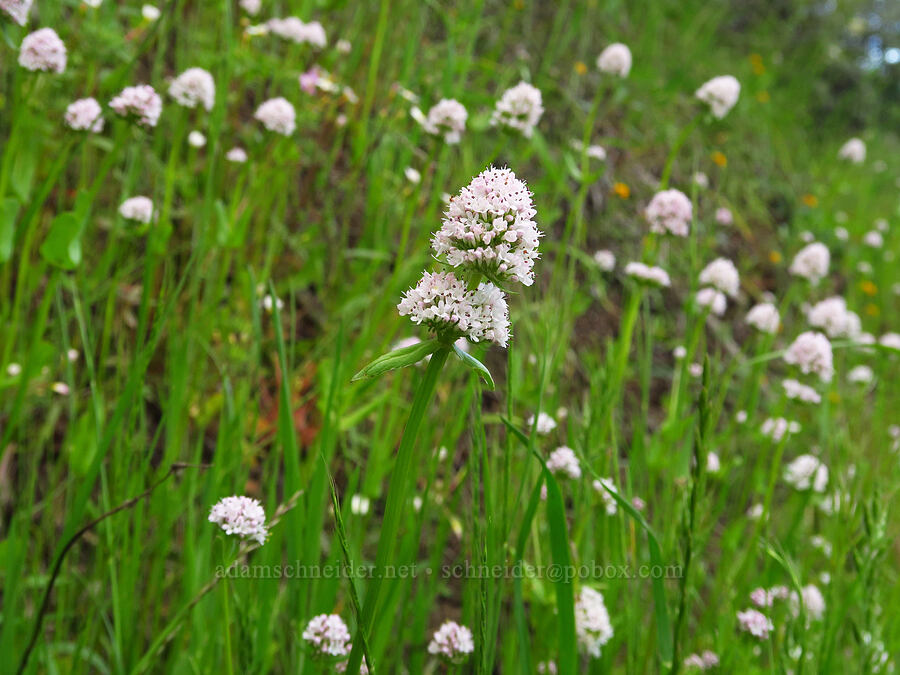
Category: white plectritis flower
[520,108]
[296,30]
[17,10]
[42,50]
[139,209]
[755,622]
[713,463]
[592,624]
[544,423]
[701,180]
[712,300]
[890,340]
[564,461]
[764,317]
[489,227]
[853,151]
[444,304]
[811,262]
[861,375]
[655,276]
[812,600]
[196,139]
[805,473]
[615,60]
[606,260]
[811,352]
[708,659]
[140,102]
[602,486]
[766,598]
[724,216]
[412,175]
[85,114]
[150,13]
[592,151]
[270,303]
[359,505]
[720,93]
[833,317]
[277,115]
[800,392]
[194,87]
[452,642]
[874,239]
[670,211]
[242,516]
[327,635]
[252,7]
[722,275]
[777,427]
[446,118]
[236,155]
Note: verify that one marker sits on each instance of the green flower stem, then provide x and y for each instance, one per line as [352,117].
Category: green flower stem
[401,479]
[623,348]
[673,153]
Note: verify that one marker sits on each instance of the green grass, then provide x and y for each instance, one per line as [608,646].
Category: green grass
[179,363]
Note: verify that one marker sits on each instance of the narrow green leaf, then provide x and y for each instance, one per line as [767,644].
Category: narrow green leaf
[399,358]
[62,247]
[565,594]
[475,365]
[518,600]
[9,209]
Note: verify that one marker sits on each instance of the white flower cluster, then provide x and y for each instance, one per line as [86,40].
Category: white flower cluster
[43,50]
[861,375]
[138,208]
[236,155]
[242,516]
[443,303]
[17,10]
[766,598]
[764,317]
[853,151]
[811,262]
[489,227]
[194,87]
[724,216]
[601,487]
[615,60]
[670,211]
[563,460]
[252,7]
[85,114]
[813,602]
[811,352]
[597,152]
[756,623]
[328,635]
[606,260]
[141,102]
[722,275]
[833,317]
[720,94]
[452,642]
[278,115]
[800,392]
[447,117]
[711,299]
[296,30]
[592,624]
[655,276]
[704,661]
[519,108]
[807,472]
[545,423]
[776,428]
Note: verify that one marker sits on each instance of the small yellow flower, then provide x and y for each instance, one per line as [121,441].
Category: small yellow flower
[719,159]
[810,200]
[763,96]
[756,63]
[622,190]
[580,67]
[872,309]
[868,287]
[834,397]
[774,257]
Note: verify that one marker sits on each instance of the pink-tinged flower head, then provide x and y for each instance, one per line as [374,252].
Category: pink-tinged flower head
[724,216]
[670,211]
[720,94]
[296,30]
[42,50]
[654,276]
[520,108]
[592,624]
[17,10]
[194,87]
[853,151]
[811,352]
[278,115]
[139,209]
[764,317]
[310,79]
[712,300]
[242,516]
[798,391]
[833,317]
[452,642]
[489,228]
[756,623]
[252,7]
[140,102]
[564,461]
[615,60]
[811,262]
[85,114]
[722,275]
[328,636]
[447,118]
[807,472]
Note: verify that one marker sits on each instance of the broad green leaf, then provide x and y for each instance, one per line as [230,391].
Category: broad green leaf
[475,365]
[399,358]
[9,209]
[62,247]
[24,166]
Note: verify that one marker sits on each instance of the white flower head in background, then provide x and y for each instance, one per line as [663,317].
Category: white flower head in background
[890,340]
[615,60]
[296,30]
[43,51]
[194,87]
[85,114]
[489,227]
[704,661]
[236,155]
[140,102]
[241,516]
[564,461]
[545,423]
[446,118]
[17,10]
[592,624]
[343,46]
[720,94]
[798,391]
[777,428]
[654,276]
[270,303]
[277,115]
[812,600]
[602,486]
[764,318]
[327,636]
[722,275]
[444,304]
[711,299]
[861,375]
[150,13]
[853,151]
[724,216]
[874,239]
[811,352]
[606,260]
[359,505]
[833,317]
[252,7]
[597,152]
[756,623]
[452,642]
[196,139]
[841,233]
[520,108]
[701,180]
[412,175]
[811,262]
[713,464]
[805,473]
[670,211]
[139,209]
